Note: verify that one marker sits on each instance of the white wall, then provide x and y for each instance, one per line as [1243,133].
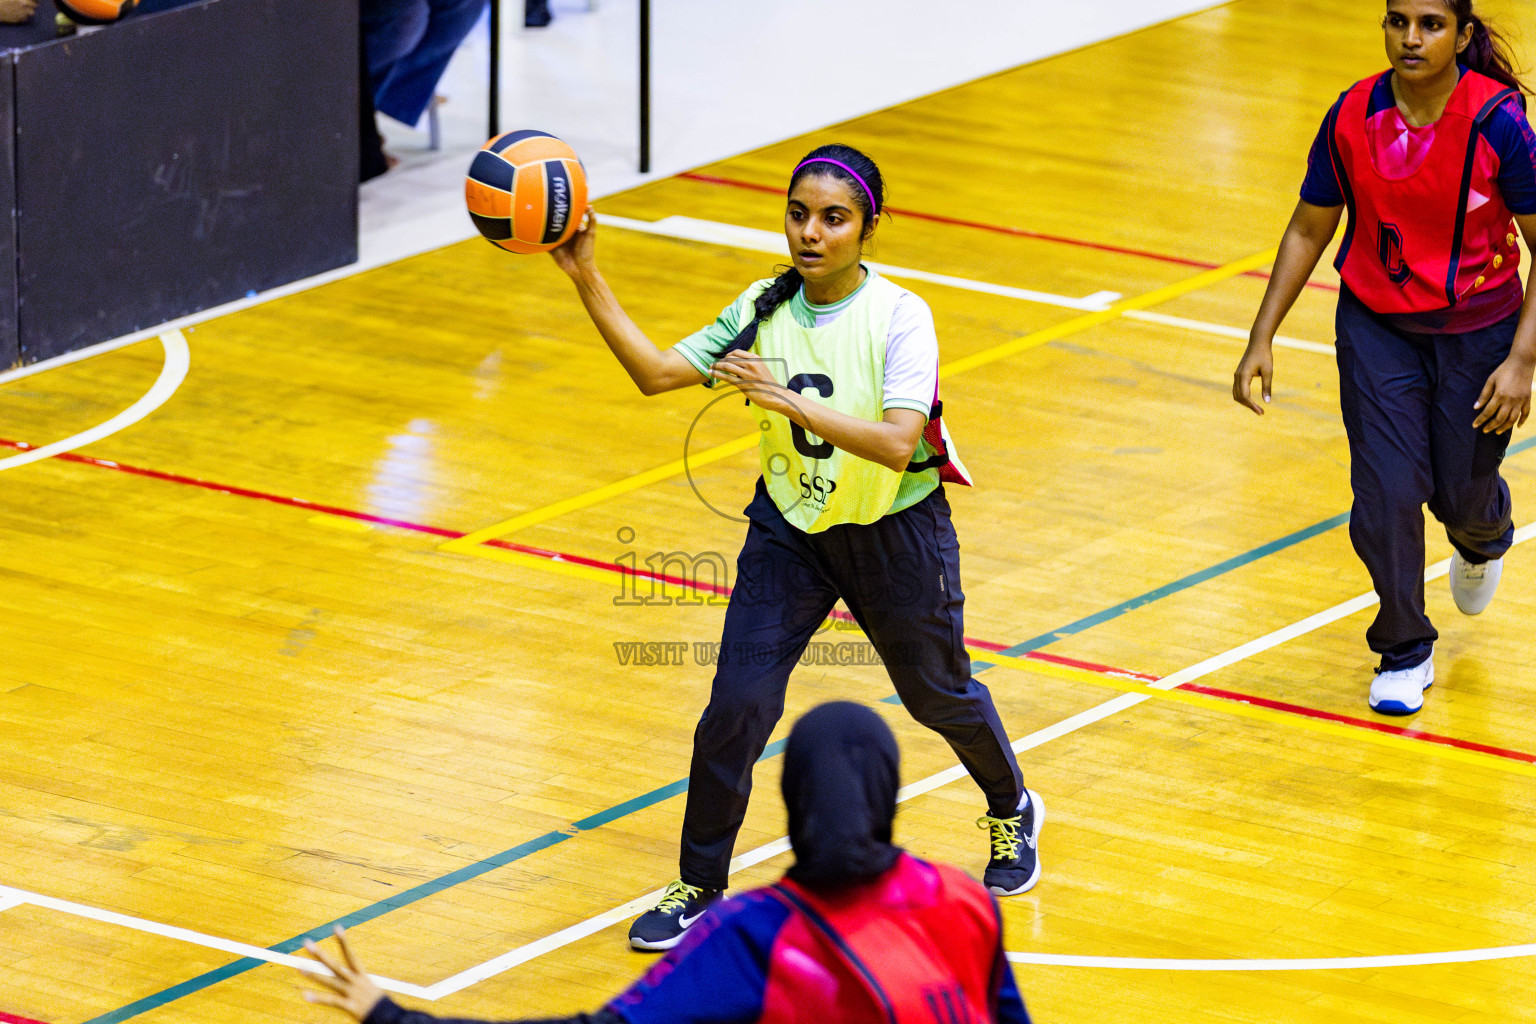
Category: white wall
[730,75]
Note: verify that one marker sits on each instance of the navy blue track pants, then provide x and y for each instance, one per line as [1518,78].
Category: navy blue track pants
[900,577]
[1407,402]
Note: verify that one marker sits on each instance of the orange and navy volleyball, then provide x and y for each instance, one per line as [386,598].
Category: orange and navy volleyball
[95,12]
[526,191]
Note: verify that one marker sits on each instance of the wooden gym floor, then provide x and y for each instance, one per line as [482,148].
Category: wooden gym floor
[335,633]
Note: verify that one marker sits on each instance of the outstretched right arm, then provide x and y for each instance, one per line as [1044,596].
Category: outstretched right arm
[653,370]
[1307,236]
[350,989]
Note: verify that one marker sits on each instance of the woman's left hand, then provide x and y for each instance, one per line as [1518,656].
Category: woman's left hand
[1506,399]
[350,989]
[750,374]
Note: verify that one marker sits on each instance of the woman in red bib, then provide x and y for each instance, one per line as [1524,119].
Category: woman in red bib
[1436,161]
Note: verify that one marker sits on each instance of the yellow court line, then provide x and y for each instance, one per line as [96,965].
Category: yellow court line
[1082,323]
[1402,744]
[554,565]
[1075,325]
[613,490]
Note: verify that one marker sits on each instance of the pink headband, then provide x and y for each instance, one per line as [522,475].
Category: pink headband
[838,163]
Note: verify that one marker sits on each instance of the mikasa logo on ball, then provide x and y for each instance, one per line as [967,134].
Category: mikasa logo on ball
[561,193]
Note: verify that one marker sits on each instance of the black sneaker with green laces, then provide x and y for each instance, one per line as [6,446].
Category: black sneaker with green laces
[1015,863]
[662,927]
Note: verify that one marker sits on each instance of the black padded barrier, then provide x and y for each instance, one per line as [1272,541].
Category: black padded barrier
[179,160]
[10,345]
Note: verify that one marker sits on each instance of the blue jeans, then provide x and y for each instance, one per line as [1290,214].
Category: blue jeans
[1407,403]
[409,44]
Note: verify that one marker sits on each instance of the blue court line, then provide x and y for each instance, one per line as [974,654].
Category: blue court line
[656,796]
[1192,580]
[618,811]
[1195,579]
[409,896]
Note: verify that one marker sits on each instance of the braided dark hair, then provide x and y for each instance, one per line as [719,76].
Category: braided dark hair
[849,166]
[775,295]
[1488,54]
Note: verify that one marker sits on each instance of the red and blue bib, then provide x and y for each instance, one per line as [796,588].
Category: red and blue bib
[1428,229]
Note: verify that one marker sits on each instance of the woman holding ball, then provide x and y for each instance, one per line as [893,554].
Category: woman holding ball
[1436,341]
[843,368]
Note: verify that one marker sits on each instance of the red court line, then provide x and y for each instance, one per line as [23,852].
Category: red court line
[617,569]
[241,492]
[1362,723]
[11,1018]
[437,531]
[1086,666]
[1003,229]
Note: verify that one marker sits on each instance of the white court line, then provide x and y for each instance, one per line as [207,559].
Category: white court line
[712,232]
[11,897]
[1340,963]
[715,233]
[78,355]
[178,359]
[15,897]
[591,926]
[177,362]
[173,327]
[686,228]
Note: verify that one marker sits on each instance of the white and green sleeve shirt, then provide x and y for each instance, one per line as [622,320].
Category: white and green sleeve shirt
[877,350]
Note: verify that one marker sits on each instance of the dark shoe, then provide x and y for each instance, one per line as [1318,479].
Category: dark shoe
[1015,863]
[536,13]
[663,927]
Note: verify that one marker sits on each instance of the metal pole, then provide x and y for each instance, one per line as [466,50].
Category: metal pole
[493,105]
[645,86]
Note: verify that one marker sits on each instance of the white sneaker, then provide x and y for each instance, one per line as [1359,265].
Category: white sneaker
[1472,586]
[1402,692]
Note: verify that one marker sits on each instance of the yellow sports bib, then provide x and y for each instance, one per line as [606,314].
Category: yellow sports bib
[841,365]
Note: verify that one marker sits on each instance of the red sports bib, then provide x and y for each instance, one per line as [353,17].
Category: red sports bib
[1427,225]
[923,950]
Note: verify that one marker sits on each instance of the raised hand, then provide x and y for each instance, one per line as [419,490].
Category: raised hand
[579,253]
[350,989]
